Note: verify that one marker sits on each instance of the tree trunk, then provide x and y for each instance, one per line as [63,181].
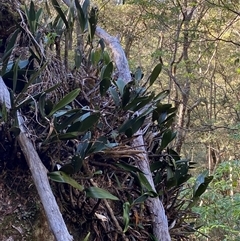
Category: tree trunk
[159,219]
[39,174]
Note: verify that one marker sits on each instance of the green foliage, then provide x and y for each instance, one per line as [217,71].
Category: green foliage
[220,208]
[92,23]
[93,192]
[60,176]
[33,17]
[106,73]
[168,136]
[201,184]
[97,132]
[60,12]
[96,192]
[87,237]
[78,59]
[82,13]
[66,100]
[8,51]
[126,218]
[155,73]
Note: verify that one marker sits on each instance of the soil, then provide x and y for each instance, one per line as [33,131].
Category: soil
[21,214]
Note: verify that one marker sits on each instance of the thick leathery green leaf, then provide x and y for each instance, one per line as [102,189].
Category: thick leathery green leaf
[201,184]
[162,95]
[82,13]
[138,124]
[138,74]
[65,100]
[96,56]
[138,102]
[77,163]
[183,179]
[141,199]
[168,121]
[62,177]
[32,13]
[168,136]
[15,74]
[86,124]
[60,12]
[70,119]
[129,132]
[98,145]
[161,108]
[67,168]
[148,111]
[39,14]
[106,72]
[144,182]
[143,103]
[104,86]
[126,217]
[121,85]
[115,96]
[171,179]
[85,6]
[71,14]
[83,145]
[96,192]
[127,167]
[78,58]
[162,117]
[66,111]
[170,173]
[126,125]
[106,57]
[155,73]
[41,104]
[65,136]
[156,166]
[181,172]
[92,23]
[126,95]
[8,51]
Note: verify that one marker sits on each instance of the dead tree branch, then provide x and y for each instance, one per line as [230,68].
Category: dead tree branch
[40,179]
[159,219]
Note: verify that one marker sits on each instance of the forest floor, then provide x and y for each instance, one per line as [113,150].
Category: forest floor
[21,214]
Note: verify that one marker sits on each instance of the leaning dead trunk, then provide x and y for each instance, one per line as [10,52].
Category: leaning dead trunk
[159,219]
[39,174]
[40,179]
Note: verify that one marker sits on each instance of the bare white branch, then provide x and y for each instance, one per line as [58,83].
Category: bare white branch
[4,95]
[40,179]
